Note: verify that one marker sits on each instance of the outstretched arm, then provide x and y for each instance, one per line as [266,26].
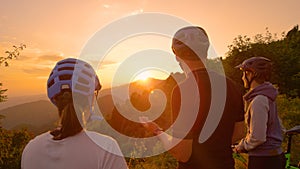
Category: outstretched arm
[181,149]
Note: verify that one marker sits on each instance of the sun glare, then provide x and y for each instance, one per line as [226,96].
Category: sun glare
[144,76]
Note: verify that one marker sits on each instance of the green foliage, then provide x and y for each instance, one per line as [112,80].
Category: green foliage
[163,161]
[289,112]
[284,53]
[239,164]
[12,143]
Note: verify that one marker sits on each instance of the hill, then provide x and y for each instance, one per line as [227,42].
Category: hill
[13,101]
[37,116]
[41,115]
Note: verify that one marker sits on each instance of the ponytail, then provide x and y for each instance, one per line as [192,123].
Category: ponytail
[69,123]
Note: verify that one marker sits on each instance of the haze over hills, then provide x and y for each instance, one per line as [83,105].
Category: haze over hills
[13,101]
[38,114]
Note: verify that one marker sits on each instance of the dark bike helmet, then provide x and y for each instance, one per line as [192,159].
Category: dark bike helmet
[190,38]
[74,75]
[260,66]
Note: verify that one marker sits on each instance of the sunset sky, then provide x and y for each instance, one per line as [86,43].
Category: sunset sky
[55,29]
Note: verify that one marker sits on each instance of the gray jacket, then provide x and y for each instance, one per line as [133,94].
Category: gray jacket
[264,134]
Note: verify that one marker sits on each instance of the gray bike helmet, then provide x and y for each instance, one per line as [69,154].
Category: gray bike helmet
[191,38]
[260,66]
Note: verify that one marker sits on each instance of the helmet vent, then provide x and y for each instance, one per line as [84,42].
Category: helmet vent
[65,77]
[65,68]
[67,61]
[51,83]
[81,88]
[87,73]
[82,80]
[86,65]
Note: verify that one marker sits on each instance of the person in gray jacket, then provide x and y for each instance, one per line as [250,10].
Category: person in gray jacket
[264,131]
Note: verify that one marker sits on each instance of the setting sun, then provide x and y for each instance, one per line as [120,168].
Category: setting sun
[155,73]
[143,76]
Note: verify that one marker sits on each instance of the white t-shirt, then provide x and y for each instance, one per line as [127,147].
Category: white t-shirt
[85,150]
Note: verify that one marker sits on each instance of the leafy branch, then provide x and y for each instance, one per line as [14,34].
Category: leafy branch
[12,54]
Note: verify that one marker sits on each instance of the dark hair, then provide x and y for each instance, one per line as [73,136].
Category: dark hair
[262,77]
[69,125]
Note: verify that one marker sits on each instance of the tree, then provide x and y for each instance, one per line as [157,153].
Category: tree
[11,142]
[284,53]
[10,55]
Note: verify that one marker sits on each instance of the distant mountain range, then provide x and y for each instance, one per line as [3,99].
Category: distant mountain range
[38,114]
[13,101]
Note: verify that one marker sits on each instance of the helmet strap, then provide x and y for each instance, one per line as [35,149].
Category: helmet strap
[249,81]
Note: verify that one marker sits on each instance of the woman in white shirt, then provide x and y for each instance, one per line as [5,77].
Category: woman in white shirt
[72,87]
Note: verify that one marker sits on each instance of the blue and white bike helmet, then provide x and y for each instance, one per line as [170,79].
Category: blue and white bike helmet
[75,75]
